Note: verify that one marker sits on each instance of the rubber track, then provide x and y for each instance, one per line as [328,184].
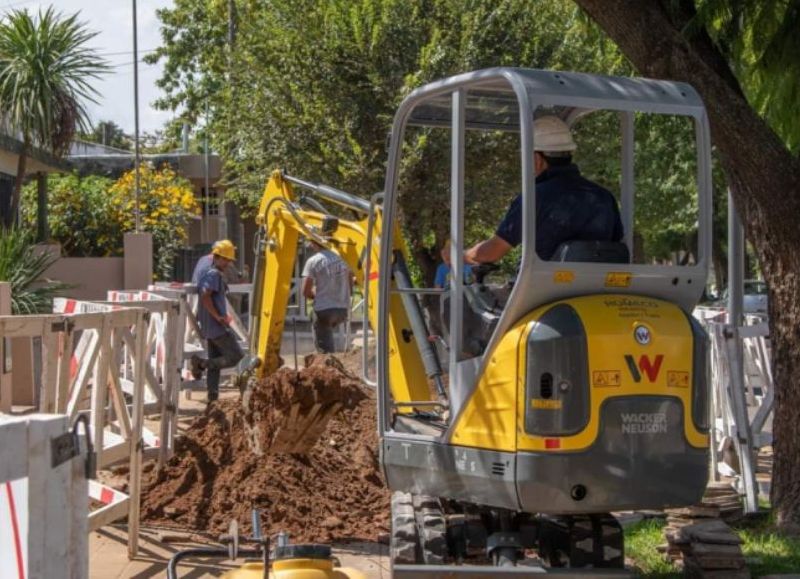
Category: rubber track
[404,544]
[431,529]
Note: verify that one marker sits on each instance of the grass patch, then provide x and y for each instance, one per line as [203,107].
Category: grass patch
[641,540]
[766,550]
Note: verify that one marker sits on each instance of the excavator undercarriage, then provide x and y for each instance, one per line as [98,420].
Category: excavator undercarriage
[432,531]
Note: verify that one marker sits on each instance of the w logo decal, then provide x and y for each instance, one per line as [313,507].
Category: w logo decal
[645,366]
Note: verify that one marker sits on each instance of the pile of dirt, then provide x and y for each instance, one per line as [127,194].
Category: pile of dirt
[334,492]
[290,411]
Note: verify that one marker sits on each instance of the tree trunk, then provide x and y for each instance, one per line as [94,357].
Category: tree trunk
[22,163]
[720,263]
[764,178]
[42,213]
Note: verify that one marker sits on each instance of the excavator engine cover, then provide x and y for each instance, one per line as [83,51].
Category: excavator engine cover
[615,390]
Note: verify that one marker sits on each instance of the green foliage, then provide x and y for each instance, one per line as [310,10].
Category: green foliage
[108,133]
[80,214]
[45,75]
[89,215]
[641,540]
[767,550]
[312,87]
[24,266]
[46,71]
[760,41]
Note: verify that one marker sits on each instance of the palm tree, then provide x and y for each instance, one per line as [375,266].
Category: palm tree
[45,74]
[24,266]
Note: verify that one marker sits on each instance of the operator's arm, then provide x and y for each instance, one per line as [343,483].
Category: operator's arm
[488,251]
[308,287]
[508,235]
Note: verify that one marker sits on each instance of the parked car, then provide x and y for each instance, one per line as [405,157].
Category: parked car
[755,297]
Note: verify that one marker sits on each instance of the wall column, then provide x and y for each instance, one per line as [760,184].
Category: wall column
[138,267]
[5,370]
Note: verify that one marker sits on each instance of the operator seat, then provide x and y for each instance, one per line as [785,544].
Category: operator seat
[592,252]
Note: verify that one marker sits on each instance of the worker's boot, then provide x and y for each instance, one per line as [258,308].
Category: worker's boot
[196,367]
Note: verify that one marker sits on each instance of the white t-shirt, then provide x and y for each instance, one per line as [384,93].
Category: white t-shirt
[331,280]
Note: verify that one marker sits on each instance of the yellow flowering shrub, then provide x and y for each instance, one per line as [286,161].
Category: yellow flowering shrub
[79,214]
[167,205]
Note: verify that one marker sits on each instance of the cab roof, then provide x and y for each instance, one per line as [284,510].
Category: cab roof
[492,101]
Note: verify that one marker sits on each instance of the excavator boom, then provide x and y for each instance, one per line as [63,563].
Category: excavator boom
[283,220]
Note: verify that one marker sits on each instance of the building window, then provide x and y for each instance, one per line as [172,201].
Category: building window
[213,201]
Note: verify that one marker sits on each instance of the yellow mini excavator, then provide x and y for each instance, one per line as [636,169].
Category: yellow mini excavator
[575,390]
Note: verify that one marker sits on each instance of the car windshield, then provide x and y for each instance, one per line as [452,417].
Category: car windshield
[755,288]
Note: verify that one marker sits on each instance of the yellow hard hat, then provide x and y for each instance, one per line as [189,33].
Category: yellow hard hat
[224,248]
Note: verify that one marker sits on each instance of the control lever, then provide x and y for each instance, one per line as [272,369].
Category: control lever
[481,270]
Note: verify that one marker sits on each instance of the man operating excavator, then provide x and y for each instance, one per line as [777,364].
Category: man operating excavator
[569,206]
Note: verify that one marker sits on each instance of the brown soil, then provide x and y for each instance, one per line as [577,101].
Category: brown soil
[334,492]
[351,361]
[289,412]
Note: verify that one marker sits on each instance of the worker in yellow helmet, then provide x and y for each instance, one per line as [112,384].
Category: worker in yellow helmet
[231,275]
[214,320]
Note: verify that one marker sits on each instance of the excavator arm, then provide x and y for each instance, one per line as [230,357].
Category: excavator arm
[282,222]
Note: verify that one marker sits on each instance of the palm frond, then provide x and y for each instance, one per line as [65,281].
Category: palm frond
[46,69]
[24,267]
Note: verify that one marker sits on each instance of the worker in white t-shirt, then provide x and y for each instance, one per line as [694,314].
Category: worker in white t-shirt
[327,281]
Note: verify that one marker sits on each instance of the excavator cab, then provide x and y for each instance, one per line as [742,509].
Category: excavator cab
[576,386]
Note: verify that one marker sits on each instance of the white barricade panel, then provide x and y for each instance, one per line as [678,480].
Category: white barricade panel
[43,499]
[14,527]
[70,306]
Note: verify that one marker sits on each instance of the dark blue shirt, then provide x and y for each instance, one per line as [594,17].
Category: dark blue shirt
[203,265]
[568,208]
[212,281]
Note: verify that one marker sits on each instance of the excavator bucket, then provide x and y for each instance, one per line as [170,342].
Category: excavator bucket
[289,411]
[301,429]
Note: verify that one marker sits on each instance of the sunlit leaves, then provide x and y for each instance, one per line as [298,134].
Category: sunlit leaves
[166,205]
[46,74]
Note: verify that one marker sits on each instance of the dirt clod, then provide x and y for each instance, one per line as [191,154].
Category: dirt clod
[329,493]
[288,412]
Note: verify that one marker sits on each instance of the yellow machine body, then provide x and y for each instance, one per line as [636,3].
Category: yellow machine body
[494,417]
[295,569]
[587,405]
[283,225]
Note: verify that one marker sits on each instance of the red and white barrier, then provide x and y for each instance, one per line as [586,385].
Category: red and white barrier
[164,350]
[43,516]
[14,527]
[83,378]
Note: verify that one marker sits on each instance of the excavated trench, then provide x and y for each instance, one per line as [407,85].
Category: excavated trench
[233,458]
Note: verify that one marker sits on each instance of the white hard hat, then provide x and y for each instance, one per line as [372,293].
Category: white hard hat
[551,134]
